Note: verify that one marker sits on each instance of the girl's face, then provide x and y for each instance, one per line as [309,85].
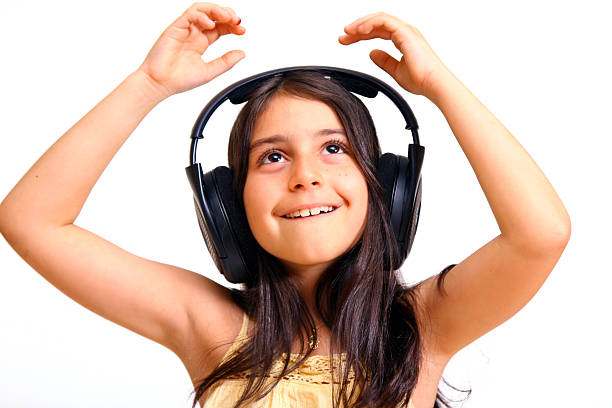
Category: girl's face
[295,164]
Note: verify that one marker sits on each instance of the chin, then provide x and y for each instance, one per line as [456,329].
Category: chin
[316,258]
[307,262]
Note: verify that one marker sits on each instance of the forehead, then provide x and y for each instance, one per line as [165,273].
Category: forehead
[289,113]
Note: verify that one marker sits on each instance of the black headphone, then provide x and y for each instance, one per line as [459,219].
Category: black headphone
[222,217]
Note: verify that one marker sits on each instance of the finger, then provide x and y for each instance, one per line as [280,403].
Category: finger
[223,29]
[236,19]
[196,17]
[224,17]
[353,38]
[233,27]
[379,26]
[384,61]
[380,22]
[377,20]
[357,22]
[348,39]
[217,13]
[372,20]
[200,20]
[207,16]
[202,15]
[218,66]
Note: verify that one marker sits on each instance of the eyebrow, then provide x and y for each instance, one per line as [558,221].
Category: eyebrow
[280,138]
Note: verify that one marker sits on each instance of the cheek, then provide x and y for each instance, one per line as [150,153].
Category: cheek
[252,190]
[361,198]
[259,198]
[361,205]
[355,186]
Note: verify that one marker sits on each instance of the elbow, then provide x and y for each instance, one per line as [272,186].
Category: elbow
[564,235]
[562,232]
[543,241]
[2,219]
[557,238]
[5,216]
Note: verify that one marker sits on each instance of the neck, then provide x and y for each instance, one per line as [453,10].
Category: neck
[307,277]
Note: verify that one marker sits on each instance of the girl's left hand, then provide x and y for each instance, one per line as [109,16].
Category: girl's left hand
[418,70]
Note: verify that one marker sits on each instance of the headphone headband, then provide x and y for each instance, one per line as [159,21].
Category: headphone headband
[354,81]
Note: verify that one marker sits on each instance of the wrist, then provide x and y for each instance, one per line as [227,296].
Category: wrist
[441,85]
[148,88]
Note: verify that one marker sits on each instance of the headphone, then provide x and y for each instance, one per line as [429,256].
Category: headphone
[222,217]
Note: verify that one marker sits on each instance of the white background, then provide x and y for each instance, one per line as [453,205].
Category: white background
[541,67]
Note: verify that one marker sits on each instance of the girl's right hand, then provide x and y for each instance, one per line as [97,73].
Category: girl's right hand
[174,64]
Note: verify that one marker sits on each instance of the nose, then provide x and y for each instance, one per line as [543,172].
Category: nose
[305,175]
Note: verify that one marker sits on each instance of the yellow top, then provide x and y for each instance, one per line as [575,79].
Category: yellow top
[308,386]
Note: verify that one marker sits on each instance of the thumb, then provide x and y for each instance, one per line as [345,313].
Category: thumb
[384,61]
[219,65]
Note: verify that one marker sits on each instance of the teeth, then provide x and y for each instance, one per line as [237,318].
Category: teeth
[308,212]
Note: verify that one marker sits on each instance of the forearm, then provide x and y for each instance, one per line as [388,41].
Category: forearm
[525,205]
[55,188]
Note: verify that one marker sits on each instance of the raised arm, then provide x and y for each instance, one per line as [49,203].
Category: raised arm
[497,280]
[37,216]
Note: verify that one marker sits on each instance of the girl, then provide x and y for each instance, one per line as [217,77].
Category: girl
[330,294]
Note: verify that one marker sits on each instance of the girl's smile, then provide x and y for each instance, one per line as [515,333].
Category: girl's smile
[305,197]
[309,211]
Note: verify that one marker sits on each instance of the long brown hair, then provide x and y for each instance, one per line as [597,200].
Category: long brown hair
[368,308]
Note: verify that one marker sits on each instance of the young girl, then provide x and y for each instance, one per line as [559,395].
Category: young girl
[323,298]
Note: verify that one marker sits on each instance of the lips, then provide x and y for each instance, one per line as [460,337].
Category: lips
[309,216]
[308,206]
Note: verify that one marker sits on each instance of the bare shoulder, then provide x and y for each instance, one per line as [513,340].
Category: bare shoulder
[430,339]
[434,361]
[214,322]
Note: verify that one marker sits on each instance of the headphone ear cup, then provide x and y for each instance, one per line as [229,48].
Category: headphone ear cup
[223,223]
[415,216]
[414,183]
[243,245]
[386,173]
[208,239]
[401,180]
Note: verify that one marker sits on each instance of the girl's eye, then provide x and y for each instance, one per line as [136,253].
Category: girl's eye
[336,146]
[275,156]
